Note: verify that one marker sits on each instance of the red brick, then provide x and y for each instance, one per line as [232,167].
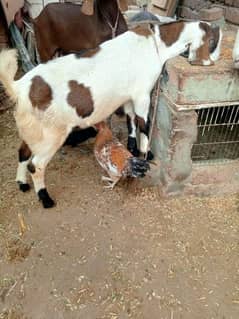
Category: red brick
[211,14]
[232,15]
[236,3]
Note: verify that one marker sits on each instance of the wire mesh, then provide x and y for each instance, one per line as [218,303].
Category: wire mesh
[218,134]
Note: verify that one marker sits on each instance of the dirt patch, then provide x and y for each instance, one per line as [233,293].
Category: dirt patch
[118,254]
[12,314]
[17,250]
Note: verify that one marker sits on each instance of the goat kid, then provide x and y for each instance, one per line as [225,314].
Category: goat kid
[66,92]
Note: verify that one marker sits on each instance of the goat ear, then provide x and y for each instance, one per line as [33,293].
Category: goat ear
[123,5]
[88,7]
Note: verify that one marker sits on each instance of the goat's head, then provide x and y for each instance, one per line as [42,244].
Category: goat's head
[199,41]
[88,6]
[205,47]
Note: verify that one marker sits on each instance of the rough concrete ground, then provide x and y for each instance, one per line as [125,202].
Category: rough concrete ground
[99,254]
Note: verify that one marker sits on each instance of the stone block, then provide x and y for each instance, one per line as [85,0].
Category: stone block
[156,10]
[188,13]
[177,131]
[234,3]
[211,14]
[232,15]
[193,4]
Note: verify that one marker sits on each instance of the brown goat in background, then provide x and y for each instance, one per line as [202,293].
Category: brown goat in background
[65,28]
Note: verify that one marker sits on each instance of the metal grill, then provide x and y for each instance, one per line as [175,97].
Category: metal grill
[218,134]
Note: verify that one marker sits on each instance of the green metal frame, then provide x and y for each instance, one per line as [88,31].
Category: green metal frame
[18,42]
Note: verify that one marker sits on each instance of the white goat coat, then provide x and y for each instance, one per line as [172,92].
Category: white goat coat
[112,79]
[123,71]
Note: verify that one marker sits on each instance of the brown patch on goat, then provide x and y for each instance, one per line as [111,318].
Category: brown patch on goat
[143,30]
[170,32]
[203,52]
[143,126]
[24,152]
[40,93]
[80,98]
[31,167]
[141,123]
[211,36]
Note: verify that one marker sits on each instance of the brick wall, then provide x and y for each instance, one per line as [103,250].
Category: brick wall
[210,10]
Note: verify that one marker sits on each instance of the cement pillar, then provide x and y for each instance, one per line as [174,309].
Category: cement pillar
[172,142]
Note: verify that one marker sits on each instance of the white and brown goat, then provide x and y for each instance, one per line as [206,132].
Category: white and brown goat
[70,91]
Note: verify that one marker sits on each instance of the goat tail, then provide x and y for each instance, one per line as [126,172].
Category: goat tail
[8,70]
[235,53]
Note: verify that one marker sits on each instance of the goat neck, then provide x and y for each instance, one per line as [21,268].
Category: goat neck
[111,17]
[170,42]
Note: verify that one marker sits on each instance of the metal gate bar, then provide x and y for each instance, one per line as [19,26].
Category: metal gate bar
[218,134]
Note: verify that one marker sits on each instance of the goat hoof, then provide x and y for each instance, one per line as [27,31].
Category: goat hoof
[24,187]
[150,156]
[46,200]
[49,203]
